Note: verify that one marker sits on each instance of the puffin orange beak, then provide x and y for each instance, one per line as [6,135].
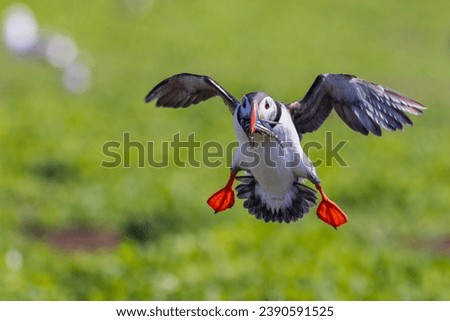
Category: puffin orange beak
[253,117]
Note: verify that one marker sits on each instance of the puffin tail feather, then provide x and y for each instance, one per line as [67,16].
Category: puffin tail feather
[302,199]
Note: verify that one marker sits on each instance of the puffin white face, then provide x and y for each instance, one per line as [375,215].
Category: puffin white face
[267,109]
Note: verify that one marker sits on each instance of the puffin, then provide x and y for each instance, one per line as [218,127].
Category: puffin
[269,134]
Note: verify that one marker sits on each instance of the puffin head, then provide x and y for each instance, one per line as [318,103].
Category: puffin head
[258,113]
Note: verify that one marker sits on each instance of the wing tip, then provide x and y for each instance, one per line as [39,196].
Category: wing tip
[412,106]
[148,98]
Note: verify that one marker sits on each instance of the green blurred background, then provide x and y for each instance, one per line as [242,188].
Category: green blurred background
[73,230]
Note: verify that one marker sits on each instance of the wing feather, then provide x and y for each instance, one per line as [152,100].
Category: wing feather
[183,90]
[364,106]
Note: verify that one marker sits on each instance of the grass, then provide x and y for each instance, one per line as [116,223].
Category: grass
[164,243]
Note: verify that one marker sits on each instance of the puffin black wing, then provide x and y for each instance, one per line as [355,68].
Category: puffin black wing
[362,105]
[183,90]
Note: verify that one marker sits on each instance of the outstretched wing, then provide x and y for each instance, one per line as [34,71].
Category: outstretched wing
[364,106]
[183,90]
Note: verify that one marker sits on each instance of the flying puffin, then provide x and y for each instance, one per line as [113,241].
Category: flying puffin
[269,134]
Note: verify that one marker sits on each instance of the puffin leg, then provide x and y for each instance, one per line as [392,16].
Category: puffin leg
[224,198]
[329,212]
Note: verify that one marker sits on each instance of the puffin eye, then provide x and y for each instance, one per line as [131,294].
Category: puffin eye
[267,106]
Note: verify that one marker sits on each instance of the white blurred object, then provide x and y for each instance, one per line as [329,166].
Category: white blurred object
[20,29]
[22,36]
[61,50]
[77,77]
[13,259]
